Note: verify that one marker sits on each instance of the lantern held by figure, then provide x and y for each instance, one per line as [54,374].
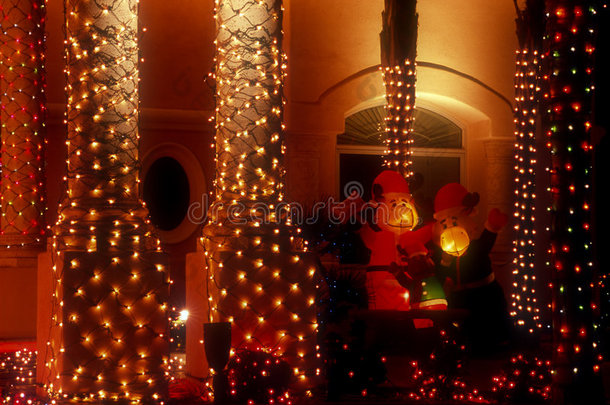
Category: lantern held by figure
[455,240]
[453,209]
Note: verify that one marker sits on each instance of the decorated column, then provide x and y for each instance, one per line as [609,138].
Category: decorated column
[398,51]
[22,145]
[258,276]
[570,46]
[109,324]
[22,117]
[525,306]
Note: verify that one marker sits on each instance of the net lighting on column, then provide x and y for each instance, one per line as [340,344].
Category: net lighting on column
[249,111]
[570,45]
[258,274]
[109,331]
[398,52]
[525,306]
[400,95]
[22,114]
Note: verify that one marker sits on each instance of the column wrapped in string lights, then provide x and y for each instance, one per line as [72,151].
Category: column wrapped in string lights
[260,277]
[525,307]
[22,100]
[570,46]
[109,315]
[398,51]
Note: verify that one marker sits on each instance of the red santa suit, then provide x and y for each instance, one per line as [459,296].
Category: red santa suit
[395,217]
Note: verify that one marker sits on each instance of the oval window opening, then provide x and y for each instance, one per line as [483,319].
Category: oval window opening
[166,193]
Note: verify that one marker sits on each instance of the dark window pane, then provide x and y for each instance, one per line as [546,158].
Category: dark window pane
[359,168]
[436,172]
[166,193]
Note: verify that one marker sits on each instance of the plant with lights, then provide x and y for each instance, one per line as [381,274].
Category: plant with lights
[437,371]
[259,377]
[332,238]
[352,366]
[524,381]
[18,377]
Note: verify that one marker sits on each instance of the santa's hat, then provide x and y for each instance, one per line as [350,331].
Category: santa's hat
[389,181]
[454,195]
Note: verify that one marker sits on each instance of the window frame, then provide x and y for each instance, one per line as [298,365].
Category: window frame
[379,150]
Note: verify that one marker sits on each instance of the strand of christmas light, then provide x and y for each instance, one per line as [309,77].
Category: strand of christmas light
[109,325]
[525,308]
[102,104]
[249,112]
[570,44]
[22,100]
[400,95]
[398,70]
[259,278]
[18,377]
[524,380]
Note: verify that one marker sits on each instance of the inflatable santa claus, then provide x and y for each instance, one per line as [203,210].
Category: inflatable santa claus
[400,271]
[462,258]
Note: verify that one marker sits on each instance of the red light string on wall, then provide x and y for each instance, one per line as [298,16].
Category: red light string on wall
[109,332]
[260,277]
[525,306]
[18,377]
[398,52]
[570,49]
[22,114]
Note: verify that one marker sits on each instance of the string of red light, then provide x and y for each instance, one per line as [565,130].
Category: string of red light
[22,78]
[569,86]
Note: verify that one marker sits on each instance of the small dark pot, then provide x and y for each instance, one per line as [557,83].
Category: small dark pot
[217,344]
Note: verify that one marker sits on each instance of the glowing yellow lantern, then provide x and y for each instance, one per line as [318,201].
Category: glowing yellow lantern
[453,211]
[455,241]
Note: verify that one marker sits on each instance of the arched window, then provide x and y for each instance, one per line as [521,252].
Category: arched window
[438,154]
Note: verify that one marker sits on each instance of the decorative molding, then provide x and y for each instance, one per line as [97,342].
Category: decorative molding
[430,65]
[153,119]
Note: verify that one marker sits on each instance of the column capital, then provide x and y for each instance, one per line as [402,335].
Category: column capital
[499,148]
